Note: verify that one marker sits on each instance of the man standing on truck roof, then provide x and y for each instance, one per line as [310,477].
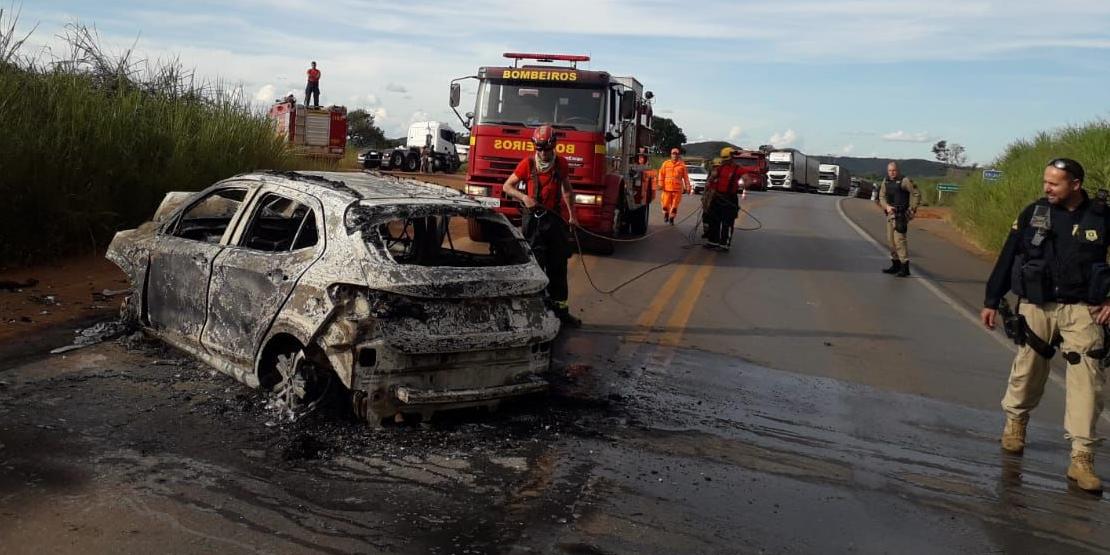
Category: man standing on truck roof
[899,199]
[313,86]
[541,183]
[675,181]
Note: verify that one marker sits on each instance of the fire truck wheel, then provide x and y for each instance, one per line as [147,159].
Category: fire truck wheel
[638,221]
[412,162]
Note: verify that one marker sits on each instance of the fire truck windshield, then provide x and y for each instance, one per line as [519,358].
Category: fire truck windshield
[532,104]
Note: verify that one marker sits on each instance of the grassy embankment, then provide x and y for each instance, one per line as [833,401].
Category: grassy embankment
[986,210]
[91,144]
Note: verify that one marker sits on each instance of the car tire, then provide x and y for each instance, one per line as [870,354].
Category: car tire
[301,384]
[412,162]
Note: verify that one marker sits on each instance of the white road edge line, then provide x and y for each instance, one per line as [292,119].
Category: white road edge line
[953,303]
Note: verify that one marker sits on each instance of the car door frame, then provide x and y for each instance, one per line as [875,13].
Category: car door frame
[239,340]
[200,255]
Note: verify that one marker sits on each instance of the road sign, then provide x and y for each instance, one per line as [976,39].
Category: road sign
[948,187]
[992,175]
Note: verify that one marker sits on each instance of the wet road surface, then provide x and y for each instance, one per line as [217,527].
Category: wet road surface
[782,397]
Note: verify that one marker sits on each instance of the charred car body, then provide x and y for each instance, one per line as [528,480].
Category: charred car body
[302,282]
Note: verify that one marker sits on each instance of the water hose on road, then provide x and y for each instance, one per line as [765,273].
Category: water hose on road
[689,237]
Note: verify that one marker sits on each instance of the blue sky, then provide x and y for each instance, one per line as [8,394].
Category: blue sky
[880,78]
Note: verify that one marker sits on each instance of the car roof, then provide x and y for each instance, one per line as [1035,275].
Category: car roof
[367,187]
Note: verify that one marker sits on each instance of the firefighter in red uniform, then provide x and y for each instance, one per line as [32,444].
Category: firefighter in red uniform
[723,186]
[541,184]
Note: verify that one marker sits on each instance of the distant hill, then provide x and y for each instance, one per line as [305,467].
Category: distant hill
[913,167]
[705,149]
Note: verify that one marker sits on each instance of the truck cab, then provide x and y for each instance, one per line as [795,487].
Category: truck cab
[600,123]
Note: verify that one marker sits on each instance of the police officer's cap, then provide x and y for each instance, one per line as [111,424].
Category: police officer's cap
[1075,169]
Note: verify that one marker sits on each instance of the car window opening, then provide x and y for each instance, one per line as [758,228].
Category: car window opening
[445,240]
[209,218]
[281,225]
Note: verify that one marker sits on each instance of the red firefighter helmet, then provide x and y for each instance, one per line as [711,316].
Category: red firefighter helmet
[544,137]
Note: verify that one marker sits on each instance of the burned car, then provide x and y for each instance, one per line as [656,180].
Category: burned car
[311,283]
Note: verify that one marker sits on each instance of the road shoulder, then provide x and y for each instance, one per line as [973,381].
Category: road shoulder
[938,250]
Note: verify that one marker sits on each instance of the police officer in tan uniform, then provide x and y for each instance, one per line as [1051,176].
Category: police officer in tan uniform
[1055,261]
[899,199]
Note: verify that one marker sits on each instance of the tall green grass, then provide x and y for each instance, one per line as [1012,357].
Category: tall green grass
[92,142]
[987,210]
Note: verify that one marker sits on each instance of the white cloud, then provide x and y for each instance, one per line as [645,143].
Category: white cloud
[784,139]
[379,114]
[847,149]
[735,133]
[265,94]
[419,115]
[394,87]
[904,137]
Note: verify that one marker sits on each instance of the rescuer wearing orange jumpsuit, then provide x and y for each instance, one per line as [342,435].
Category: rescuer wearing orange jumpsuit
[674,181]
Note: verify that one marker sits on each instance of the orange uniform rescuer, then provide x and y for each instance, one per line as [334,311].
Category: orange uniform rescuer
[541,184]
[674,181]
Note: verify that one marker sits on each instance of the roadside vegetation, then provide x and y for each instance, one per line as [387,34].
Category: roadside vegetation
[986,210]
[92,142]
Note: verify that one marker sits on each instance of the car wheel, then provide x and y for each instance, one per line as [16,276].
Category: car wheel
[412,162]
[395,160]
[301,385]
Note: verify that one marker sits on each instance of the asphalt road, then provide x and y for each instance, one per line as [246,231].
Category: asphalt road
[782,397]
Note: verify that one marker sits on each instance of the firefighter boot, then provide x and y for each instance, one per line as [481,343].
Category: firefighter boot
[562,311]
[895,266]
[904,269]
[1013,435]
[1082,472]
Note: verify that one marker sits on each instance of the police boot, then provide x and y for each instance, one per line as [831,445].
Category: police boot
[1082,472]
[568,319]
[903,269]
[895,266]
[1013,435]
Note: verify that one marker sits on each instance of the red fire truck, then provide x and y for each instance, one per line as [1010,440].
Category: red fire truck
[316,132]
[600,121]
[754,162]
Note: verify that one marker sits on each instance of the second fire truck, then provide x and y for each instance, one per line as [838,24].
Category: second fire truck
[601,122]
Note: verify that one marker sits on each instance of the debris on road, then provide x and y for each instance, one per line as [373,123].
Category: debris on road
[14,286]
[95,334]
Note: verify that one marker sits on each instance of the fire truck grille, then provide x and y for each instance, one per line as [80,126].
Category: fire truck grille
[501,164]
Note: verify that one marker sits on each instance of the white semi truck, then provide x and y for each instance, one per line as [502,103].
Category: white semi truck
[437,136]
[791,170]
[833,180]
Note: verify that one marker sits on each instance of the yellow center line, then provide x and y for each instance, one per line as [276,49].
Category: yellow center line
[676,326]
[663,298]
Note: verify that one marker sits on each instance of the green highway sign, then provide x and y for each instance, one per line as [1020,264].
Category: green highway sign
[948,187]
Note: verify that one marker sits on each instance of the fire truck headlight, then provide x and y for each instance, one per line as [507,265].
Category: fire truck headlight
[593,200]
[477,190]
